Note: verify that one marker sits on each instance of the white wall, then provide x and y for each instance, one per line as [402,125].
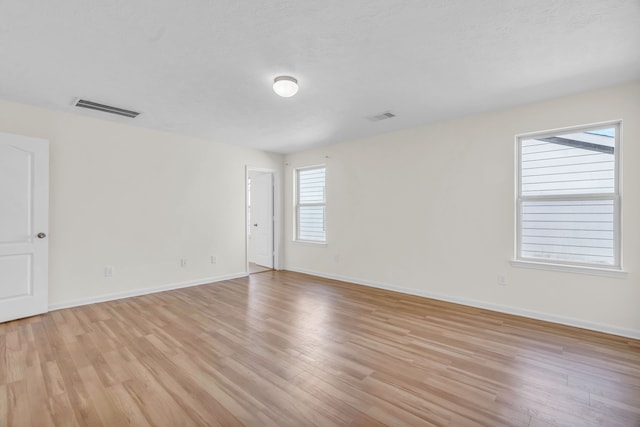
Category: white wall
[431,211]
[138,200]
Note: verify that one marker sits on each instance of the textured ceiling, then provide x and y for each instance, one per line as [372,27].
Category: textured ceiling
[205,67]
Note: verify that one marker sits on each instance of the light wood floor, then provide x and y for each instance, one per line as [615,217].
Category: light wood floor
[285,349]
[255,268]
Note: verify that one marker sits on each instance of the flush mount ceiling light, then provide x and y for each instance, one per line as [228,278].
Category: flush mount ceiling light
[285,86]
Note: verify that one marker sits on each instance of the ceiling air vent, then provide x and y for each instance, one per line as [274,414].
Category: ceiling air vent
[382,116]
[105,108]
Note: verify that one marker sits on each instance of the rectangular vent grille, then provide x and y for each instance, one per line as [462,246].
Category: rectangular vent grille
[383,116]
[83,103]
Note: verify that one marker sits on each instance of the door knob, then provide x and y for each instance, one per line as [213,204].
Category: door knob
[41,235]
[255,225]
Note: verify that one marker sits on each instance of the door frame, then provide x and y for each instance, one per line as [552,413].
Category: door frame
[276,215]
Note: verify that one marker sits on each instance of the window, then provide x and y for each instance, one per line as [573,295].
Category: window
[568,207]
[310,204]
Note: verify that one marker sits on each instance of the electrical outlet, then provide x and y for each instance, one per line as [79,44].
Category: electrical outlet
[214,259]
[336,258]
[502,281]
[108,271]
[183,262]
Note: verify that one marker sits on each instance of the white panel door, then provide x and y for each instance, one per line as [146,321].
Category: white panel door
[262,219]
[24,213]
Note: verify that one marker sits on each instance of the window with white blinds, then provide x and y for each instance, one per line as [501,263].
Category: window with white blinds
[568,197]
[310,204]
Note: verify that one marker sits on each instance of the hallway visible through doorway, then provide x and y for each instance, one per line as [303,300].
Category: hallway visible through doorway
[255,268]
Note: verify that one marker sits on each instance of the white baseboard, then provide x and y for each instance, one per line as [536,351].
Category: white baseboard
[144,291]
[568,321]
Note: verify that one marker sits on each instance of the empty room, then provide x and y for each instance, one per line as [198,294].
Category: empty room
[301,213]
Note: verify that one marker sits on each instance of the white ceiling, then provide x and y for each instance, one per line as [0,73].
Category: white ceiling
[205,67]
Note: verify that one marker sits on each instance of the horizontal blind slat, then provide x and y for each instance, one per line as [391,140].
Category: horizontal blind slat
[311,209]
[578,231]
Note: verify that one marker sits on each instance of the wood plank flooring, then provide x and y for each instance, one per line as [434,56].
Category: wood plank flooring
[255,268]
[286,349]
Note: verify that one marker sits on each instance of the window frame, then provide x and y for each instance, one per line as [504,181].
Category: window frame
[297,205]
[615,197]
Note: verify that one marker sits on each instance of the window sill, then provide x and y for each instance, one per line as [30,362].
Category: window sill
[309,243]
[594,271]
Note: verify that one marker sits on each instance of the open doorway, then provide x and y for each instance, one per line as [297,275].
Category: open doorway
[260,220]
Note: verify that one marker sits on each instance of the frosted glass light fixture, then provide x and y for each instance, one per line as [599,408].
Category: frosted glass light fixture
[285,86]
